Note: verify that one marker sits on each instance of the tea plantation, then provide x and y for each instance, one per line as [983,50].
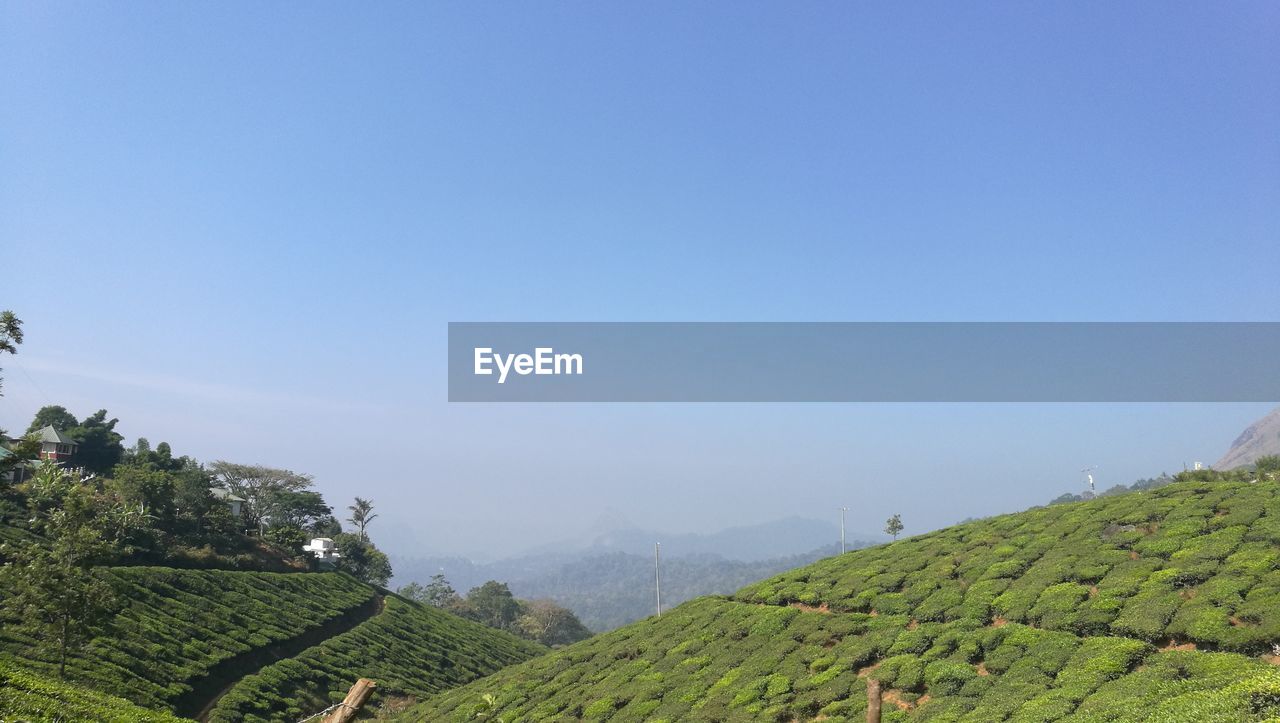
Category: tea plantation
[25,696]
[1152,606]
[410,649]
[179,623]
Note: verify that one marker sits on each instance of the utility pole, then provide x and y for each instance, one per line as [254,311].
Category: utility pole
[657,575]
[842,511]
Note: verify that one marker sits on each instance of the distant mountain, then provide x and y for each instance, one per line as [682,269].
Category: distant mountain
[1259,440]
[606,589]
[612,589]
[607,578]
[748,543]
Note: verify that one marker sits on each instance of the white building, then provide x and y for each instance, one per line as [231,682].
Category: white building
[322,548]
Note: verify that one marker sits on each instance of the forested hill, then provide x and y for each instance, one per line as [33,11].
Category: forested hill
[1161,605]
[609,590]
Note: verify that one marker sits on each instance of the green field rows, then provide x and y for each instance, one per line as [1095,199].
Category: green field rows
[1195,562]
[179,623]
[409,649]
[25,696]
[1154,606]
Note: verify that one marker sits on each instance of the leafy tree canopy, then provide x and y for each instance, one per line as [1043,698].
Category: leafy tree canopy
[361,559]
[54,415]
[10,335]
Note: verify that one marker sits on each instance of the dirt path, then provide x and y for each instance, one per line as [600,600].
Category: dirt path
[198,703]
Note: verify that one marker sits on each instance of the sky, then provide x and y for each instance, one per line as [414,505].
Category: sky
[242,228]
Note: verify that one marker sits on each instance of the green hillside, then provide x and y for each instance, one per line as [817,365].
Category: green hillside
[178,624]
[410,649]
[185,635]
[1159,606]
[25,696]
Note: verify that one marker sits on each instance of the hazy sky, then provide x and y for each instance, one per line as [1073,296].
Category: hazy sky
[242,229]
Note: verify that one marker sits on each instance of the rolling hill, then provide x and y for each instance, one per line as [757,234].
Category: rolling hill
[1152,606]
[186,638]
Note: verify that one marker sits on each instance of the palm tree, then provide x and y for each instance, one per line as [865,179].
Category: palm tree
[361,515]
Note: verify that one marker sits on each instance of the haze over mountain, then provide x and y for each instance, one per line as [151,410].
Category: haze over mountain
[1262,438]
[608,579]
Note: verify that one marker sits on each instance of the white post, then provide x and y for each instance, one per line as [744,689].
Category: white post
[657,576]
[842,511]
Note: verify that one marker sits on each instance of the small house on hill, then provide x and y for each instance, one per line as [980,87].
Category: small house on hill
[55,445]
[324,550]
[234,503]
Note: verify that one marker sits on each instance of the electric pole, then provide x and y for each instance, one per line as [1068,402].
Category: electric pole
[657,575]
[842,511]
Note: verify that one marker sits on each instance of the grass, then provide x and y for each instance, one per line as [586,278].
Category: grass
[1151,606]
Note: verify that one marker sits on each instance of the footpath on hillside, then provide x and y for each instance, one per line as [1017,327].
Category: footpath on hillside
[205,693]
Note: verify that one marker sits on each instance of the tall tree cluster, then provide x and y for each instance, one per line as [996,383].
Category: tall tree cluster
[492,604]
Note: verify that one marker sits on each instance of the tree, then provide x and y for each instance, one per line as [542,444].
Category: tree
[361,515]
[52,587]
[290,537]
[295,508]
[1268,467]
[256,484]
[327,526]
[546,622]
[194,503]
[100,447]
[150,489]
[10,336]
[361,559]
[437,593]
[413,591]
[491,604]
[20,452]
[53,415]
[894,526]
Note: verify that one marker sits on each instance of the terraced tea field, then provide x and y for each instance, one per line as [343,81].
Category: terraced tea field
[32,698]
[1153,606]
[186,639]
[410,649]
[178,624]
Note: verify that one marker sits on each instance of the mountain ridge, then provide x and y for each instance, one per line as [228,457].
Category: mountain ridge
[1259,439]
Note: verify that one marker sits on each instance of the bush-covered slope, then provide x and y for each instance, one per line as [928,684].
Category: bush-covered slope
[409,649]
[1153,606]
[25,696]
[177,624]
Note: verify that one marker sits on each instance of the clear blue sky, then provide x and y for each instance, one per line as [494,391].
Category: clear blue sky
[242,228]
